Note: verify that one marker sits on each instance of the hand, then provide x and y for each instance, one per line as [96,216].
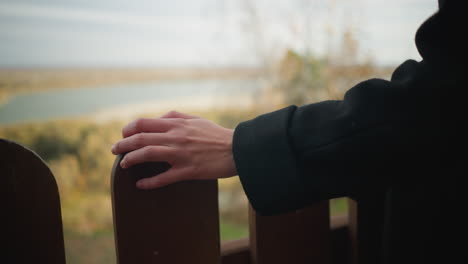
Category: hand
[196,148]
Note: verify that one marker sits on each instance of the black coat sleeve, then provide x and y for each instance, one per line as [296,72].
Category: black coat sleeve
[296,156]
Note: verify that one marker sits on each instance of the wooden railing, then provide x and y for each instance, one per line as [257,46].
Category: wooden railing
[31,219]
[175,224]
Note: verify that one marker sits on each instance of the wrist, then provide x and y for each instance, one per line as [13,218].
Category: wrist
[231,169]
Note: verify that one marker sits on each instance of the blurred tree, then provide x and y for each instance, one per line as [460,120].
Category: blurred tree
[299,76]
[300,79]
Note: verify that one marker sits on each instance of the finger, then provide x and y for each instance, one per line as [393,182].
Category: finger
[140,125]
[139,140]
[175,114]
[169,177]
[148,154]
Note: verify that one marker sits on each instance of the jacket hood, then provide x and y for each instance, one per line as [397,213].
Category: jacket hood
[441,39]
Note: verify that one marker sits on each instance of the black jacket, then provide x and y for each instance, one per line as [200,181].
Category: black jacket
[394,146]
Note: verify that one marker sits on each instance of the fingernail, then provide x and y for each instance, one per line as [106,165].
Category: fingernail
[113,149]
[122,164]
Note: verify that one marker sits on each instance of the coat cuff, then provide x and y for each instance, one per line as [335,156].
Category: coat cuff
[266,163]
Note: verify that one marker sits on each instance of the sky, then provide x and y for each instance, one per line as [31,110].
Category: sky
[203,33]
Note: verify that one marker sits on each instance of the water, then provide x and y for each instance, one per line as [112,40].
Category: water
[41,106]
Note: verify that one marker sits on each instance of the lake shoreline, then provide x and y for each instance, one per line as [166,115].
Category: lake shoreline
[29,80]
[129,112]
[124,101]
[188,104]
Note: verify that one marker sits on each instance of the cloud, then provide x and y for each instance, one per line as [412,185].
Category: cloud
[186,24]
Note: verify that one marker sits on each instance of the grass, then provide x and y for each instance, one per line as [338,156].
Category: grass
[338,206]
[231,231]
[96,248]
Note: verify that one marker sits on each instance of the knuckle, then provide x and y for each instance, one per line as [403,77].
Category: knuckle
[172,113]
[181,139]
[184,140]
[139,124]
[188,140]
[184,121]
[128,159]
[180,122]
[177,134]
[149,152]
[139,140]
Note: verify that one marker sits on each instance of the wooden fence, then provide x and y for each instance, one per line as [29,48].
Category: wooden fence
[178,224]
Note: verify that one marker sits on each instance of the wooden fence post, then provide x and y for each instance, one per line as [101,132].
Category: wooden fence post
[32,221]
[353,229]
[298,237]
[177,224]
[366,218]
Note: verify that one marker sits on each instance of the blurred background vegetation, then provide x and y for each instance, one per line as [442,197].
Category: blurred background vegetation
[77,148]
[78,152]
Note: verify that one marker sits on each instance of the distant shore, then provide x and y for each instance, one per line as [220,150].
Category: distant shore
[187,104]
[18,81]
